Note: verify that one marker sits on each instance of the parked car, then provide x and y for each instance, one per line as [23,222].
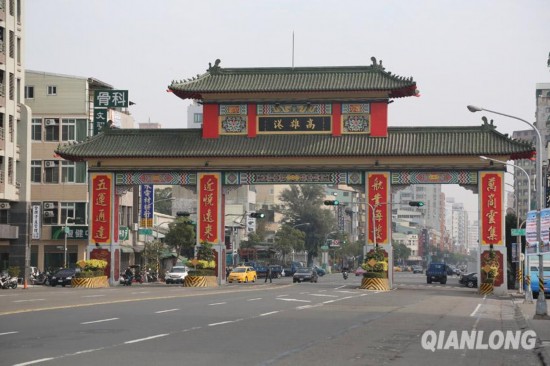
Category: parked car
[305,274]
[63,277]
[469,279]
[176,275]
[289,271]
[417,269]
[242,274]
[320,271]
[359,271]
[277,271]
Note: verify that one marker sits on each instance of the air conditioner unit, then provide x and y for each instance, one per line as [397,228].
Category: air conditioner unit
[4,205]
[50,122]
[49,205]
[49,214]
[50,163]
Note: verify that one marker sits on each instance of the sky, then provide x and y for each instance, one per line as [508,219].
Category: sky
[489,53]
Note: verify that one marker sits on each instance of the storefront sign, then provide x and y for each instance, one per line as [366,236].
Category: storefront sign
[147,200]
[36,222]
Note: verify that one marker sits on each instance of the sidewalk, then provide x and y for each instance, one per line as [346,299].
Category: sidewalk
[540,326]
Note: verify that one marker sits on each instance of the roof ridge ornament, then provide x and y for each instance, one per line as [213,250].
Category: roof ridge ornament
[487,124]
[375,65]
[214,69]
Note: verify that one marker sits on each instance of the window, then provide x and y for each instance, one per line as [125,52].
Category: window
[68,129]
[36,129]
[52,90]
[51,171]
[12,44]
[197,118]
[68,171]
[50,214]
[36,171]
[12,86]
[51,127]
[29,92]
[76,210]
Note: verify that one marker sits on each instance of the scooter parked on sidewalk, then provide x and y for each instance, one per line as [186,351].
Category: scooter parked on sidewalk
[125,280]
[6,281]
[345,274]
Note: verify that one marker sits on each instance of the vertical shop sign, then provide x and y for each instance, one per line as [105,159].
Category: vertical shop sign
[209,208]
[491,208]
[102,201]
[378,201]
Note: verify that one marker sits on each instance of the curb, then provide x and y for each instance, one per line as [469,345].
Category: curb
[524,322]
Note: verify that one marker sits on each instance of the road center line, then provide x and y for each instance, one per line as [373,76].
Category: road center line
[35,361]
[226,322]
[165,311]
[100,321]
[29,300]
[146,338]
[217,303]
[258,298]
[6,333]
[293,300]
[476,309]
[270,313]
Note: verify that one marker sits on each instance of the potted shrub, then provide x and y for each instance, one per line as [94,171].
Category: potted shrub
[375,276]
[203,270]
[91,274]
[490,270]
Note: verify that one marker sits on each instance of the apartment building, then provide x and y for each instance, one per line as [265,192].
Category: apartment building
[14,137]
[62,112]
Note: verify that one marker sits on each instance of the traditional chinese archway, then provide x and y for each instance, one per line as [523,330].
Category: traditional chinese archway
[324,125]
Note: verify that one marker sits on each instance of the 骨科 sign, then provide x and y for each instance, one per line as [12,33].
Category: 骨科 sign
[111,99]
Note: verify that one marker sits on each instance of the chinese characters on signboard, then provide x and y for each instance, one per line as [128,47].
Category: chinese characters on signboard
[104,99]
[378,196]
[295,124]
[209,207]
[102,191]
[36,222]
[147,205]
[491,202]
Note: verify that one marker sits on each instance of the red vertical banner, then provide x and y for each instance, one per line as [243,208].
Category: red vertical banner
[116,221]
[378,196]
[491,203]
[102,204]
[208,218]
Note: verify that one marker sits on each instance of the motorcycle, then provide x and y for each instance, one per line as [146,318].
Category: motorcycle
[345,275]
[125,280]
[6,281]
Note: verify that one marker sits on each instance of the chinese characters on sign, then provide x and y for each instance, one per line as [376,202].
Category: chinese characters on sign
[36,222]
[288,124]
[111,98]
[147,205]
[102,189]
[491,208]
[73,232]
[378,196]
[209,207]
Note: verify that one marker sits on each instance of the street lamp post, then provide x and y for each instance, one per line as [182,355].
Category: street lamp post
[528,295]
[66,233]
[541,306]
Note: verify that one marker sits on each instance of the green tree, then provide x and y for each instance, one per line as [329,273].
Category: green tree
[288,239]
[400,253]
[304,203]
[151,253]
[163,203]
[180,235]
[252,240]
[205,252]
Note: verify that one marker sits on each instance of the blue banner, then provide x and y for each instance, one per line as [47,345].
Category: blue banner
[531,232]
[147,205]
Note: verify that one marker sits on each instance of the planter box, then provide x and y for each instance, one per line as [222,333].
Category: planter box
[378,284]
[91,282]
[200,281]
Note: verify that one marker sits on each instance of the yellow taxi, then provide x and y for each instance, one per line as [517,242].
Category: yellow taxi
[242,274]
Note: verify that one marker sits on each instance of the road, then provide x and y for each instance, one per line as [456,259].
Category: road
[327,323]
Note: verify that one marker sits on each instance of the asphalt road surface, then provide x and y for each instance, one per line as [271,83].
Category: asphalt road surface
[326,323]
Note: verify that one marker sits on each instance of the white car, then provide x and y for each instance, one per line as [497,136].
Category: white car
[176,275]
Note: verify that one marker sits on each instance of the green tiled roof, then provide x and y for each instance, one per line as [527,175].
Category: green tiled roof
[401,141]
[294,79]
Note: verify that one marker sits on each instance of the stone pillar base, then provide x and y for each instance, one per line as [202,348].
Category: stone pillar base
[378,284]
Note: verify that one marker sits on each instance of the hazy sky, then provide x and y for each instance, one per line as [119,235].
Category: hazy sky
[481,52]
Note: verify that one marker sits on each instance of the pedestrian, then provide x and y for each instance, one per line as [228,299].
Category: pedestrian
[268,274]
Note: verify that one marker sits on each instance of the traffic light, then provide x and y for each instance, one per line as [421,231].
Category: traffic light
[332,203]
[416,203]
[257,215]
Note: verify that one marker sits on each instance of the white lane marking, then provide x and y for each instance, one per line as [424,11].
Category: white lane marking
[308,306]
[226,322]
[29,300]
[217,303]
[258,298]
[6,333]
[339,287]
[324,295]
[35,361]
[146,338]
[270,313]
[93,295]
[165,311]
[282,295]
[294,300]
[100,321]
[347,292]
[476,309]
